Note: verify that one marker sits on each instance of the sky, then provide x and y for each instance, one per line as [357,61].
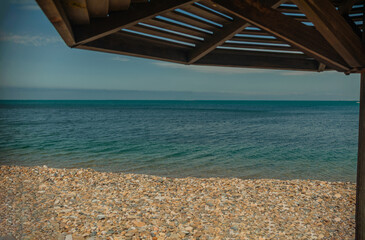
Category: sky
[35,63]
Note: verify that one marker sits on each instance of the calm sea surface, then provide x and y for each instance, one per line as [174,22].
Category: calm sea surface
[245,139]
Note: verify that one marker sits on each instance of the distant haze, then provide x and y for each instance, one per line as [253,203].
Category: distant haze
[94,94]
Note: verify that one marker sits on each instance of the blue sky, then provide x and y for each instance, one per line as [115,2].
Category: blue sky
[36,64]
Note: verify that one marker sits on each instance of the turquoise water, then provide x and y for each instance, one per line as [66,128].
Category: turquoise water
[245,139]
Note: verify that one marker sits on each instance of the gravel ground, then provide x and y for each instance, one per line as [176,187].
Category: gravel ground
[47,203]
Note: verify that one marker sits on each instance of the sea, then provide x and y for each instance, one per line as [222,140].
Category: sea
[230,139]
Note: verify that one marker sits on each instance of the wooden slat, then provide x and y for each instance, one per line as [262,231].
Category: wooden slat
[211,5]
[201,12]
[267,54]
[357,10]
[132,45]
[289,9]
[175,27]
[220,57]
[258,46]
[254,32]
[256,39]
[123,19]
[356,18]
[160,33]
[228,31]
[119,5]
[98,8]
[190,20]
[335,30]
[300,18]
[157,38]
[76,11]
[57,16]
[305,38]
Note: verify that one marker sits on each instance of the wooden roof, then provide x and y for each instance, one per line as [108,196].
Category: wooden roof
[311,35]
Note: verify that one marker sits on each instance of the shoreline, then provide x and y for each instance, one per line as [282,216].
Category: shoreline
[50,203]
[180,176]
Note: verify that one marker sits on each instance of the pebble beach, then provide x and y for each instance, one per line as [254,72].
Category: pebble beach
[65,204]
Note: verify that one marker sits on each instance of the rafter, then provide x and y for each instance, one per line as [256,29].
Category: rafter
[228,31]
[335,30]
[102,27]
[346,6]
[217,39]
[288,29]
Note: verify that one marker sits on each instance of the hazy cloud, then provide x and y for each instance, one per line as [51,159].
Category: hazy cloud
[302,73]
[120,59]
[33,7]
[26,4]
[30,40]
[213,69]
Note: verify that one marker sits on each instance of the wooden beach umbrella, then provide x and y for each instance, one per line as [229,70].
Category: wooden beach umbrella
[305,35]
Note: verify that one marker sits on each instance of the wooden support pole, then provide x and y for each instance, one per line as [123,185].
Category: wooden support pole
[360,183]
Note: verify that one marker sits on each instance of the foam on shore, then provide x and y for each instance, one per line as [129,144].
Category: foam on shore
[48,203]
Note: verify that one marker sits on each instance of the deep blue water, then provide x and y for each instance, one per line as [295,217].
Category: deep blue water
[245,139]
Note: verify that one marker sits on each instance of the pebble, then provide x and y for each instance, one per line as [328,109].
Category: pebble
[74,204]
[68,237]
[337,195]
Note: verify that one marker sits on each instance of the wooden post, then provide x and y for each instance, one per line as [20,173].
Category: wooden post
[360,187]
[360,181]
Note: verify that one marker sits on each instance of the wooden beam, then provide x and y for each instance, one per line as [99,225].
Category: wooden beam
[288,29]
[216,39]
[346,6]
[138,46]
[119,5]
[117,20]
[98,8]
[219,37]
[321,67]
[335,30]
[360,183]
[264,60]
[56,15]
[345,9]
[76,11]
